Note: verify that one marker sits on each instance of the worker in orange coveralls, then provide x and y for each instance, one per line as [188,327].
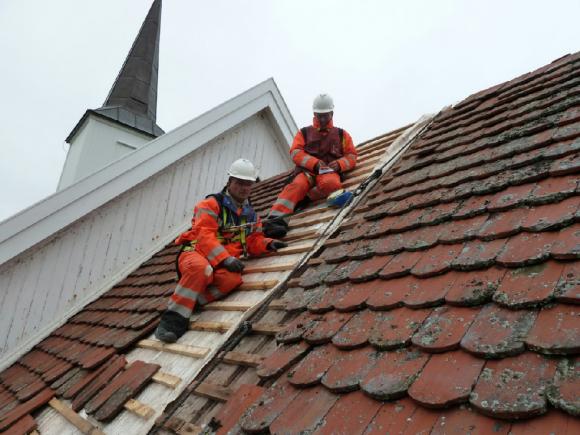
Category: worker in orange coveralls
[322,154]
[209,264]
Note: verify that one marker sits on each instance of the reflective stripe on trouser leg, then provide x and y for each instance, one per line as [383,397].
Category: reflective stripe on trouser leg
[290,196]
[183,300]
[196,275]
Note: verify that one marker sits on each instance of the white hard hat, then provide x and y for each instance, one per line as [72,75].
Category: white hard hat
[243,169]
[323,104]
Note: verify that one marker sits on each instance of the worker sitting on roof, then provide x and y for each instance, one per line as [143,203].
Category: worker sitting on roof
[224,227]
[322,154]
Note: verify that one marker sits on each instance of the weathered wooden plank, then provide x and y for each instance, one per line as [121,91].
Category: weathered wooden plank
[269,268]
[258,285]
[362,209]
[315,261]
[176,348]
[349,224]
[311,211]
[243,358]
[309,233]
[266,328]
[317,219]
[296,249]
[139,409]
[76,420]
[329,243]
[208,326]
[228,306]
[166,379]
[212,391]
[277,304]
[294,282]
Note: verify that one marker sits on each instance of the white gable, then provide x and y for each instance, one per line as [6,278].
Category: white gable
[93,233]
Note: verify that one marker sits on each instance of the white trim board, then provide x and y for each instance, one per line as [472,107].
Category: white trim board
[47,217]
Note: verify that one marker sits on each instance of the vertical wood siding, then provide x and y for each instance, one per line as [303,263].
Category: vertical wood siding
[41,286]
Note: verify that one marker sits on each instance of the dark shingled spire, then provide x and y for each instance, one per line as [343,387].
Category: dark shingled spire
[132,100]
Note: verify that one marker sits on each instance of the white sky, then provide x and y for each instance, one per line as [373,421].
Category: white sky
[386,63]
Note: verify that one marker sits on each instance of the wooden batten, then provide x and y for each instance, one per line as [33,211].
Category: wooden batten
[362,208]
[166,379]
[139,409]
[311,211]
[176,348]
[296,249]
[332,242]
[76,420]
[351,223]
[269,268]
[313,221]
[301,235]
[228,306]
[258,285]
[315,262]
[294,282]
[243,359]
[213,391]
[277,304]
[208,326]
[266,328]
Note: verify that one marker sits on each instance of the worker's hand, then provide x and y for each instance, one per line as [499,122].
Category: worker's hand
[274,245]
[334,166]
[233,264]
[323,169]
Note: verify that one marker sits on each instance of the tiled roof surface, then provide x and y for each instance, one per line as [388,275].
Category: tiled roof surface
[78,359]
[235,364]
[88,364]
[449,301]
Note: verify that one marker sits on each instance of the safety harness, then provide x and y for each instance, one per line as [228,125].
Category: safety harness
[231,227]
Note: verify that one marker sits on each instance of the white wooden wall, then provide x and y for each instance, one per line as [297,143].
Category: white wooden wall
[42,287]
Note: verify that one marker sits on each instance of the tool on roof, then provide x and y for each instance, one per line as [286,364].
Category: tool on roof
[339,198]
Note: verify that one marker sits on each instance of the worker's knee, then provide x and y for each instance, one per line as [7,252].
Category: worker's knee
[195,269]
[226,281]
[328,183]
[299,186]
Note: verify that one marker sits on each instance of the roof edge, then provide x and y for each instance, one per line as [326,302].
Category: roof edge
[52,214]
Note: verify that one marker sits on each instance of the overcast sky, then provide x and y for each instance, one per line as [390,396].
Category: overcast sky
[385,62]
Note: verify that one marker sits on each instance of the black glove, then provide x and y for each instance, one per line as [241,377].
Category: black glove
[274,245]
[233,264]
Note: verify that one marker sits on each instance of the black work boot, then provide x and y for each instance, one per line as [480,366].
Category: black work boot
[275,228]
[171,327]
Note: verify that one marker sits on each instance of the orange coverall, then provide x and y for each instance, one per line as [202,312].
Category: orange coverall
[202,279]
[307,182]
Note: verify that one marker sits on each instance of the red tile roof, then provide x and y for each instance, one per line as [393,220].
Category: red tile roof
[457,289]
[78,359]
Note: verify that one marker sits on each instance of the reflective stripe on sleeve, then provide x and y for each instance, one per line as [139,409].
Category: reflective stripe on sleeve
[304,161]
[215,252]
[201,211]
[286,203]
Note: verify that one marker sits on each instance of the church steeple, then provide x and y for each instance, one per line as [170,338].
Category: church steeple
[135,89]
[128,118]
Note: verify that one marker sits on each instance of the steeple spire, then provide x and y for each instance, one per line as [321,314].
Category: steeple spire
[127,119]
[132,99]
